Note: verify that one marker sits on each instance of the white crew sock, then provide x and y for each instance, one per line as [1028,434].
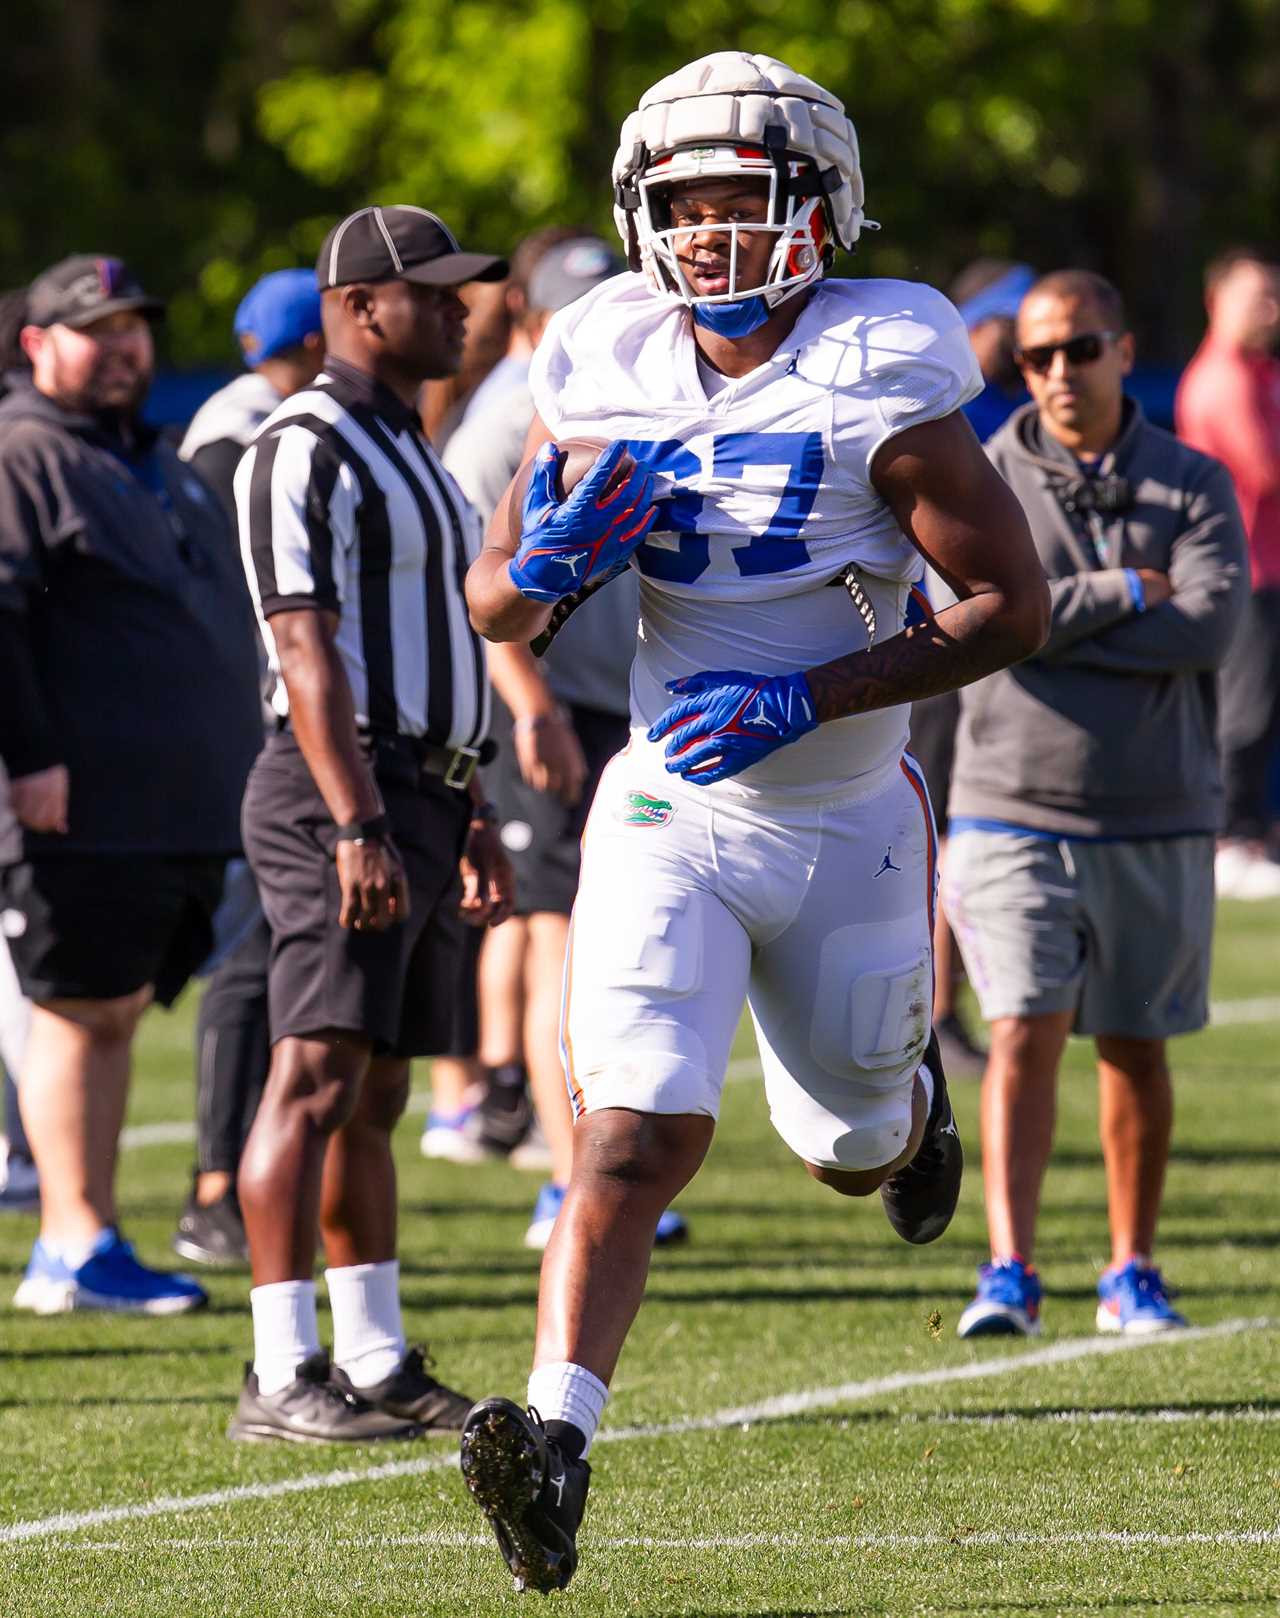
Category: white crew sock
[565,1392]
[926,1084]
[368,1337]
[284,1331]
[74,1254]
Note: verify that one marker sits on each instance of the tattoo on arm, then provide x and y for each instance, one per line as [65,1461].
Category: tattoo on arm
[962,644]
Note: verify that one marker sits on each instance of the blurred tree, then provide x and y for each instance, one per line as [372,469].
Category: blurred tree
[209,145]
[1133,136]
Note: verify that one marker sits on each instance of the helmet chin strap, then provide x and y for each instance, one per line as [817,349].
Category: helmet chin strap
[738,319]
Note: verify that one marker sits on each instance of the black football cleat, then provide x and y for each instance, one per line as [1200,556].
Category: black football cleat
[532,1493]
[921,1197]
[313,1409]
[413,1394]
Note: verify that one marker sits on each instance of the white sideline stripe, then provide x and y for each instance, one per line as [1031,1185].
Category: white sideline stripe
[178,1134]
[1086,1418]
[960,1538]
[789,1404]
[1264,1009]
[1221,1012]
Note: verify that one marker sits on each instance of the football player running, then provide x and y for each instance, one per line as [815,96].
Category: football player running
[763,837]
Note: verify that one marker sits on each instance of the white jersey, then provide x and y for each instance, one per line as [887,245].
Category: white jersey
[765,488]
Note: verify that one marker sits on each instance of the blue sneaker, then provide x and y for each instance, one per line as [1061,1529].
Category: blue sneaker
[48,1287]
[1135,1302]
[456,1137]
[110,1278]
[546,1210]
[1007,1304]
[672,1227]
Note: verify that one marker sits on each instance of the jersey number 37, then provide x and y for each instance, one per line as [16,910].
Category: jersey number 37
[775,548]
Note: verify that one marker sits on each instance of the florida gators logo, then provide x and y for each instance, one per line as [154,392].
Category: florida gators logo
[639,809]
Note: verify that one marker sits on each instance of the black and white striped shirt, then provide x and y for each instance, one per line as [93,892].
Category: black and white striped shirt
[344,506]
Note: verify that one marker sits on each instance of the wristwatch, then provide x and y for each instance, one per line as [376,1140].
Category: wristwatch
[373,830]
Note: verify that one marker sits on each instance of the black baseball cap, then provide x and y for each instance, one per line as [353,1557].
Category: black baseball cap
[401,244]
[85,287]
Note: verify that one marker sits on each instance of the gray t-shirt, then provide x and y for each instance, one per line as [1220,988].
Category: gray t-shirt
[589,662]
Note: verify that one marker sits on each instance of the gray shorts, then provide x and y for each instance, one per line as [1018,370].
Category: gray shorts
[1118,932]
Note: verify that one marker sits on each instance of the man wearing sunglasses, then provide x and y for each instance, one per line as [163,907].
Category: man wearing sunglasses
[1087,793]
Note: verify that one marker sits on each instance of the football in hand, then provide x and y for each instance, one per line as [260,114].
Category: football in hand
[579,456]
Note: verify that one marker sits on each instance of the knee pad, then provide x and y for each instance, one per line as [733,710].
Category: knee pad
[880,1130]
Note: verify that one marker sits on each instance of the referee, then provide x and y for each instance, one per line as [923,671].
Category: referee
[358,819]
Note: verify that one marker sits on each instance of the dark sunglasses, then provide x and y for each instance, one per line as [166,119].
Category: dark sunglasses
[1082,350]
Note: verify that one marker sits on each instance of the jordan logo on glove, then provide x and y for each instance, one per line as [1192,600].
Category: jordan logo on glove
[705,731]
[565,544]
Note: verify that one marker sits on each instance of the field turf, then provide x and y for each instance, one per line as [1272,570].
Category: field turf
[911,1474]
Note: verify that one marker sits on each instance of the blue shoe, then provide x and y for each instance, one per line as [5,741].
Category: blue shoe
[456,1137]
[672,1227]
[1135,1302]
[1007,1304]
[110,1278]
[545,1212]
[48,1287]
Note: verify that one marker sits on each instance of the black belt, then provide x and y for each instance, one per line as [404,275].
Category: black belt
[454,765]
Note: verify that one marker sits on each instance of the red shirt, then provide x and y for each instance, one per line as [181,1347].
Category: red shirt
[1228,405]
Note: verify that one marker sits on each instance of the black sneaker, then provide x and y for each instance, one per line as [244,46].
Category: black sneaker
[506,1114]
[412,1394]
[313,1409]
[964,1057]
[532,1493]
[212,1234]
[921,1197]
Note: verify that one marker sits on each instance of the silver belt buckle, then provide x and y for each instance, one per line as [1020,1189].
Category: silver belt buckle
[462,766]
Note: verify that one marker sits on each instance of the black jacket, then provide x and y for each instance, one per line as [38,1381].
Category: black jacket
[127,646]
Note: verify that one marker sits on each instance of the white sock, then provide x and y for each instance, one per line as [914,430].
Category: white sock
[926,1084]
[565,1392]
[368,1337]
[284,1331]
[74,1254]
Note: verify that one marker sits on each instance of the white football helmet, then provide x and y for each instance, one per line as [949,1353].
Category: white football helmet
[734,114]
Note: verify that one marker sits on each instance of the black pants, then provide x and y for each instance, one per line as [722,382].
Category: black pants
[233,1051]
[1249,715]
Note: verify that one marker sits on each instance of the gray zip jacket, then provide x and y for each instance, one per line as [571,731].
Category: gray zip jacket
[1109,731]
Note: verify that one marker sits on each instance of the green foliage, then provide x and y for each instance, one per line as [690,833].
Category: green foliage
[212,145]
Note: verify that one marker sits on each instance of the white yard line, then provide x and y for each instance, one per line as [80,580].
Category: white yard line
[1222,1012]
[960,1538]
[1088,1418]
[784,1405]
[1264,1009]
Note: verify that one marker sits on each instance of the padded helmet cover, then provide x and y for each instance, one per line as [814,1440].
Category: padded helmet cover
[731,96]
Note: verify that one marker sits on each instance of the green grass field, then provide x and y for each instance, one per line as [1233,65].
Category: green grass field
[919,1475]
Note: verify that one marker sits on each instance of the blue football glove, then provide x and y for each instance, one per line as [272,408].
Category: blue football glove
[564,545]
[726,721]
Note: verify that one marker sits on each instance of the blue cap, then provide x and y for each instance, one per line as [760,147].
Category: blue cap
[277,313]
[1001,299]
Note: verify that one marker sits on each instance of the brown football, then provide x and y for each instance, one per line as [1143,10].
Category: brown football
[580,455]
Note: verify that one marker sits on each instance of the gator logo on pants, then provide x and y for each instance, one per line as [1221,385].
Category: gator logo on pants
[639,809]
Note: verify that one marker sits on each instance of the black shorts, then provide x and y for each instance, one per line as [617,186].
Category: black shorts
[397,987]
[464,1034]
[542,836]
[101,926]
